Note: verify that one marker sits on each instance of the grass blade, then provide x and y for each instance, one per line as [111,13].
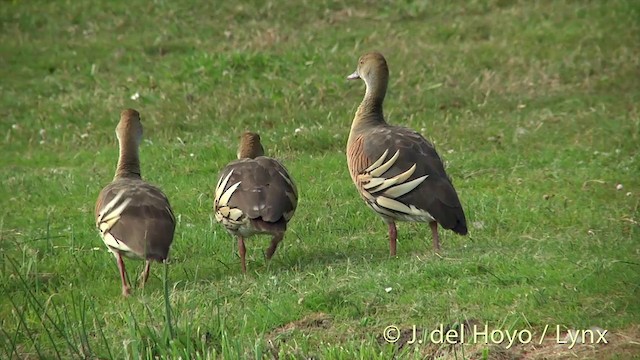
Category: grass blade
[29,334]
[41,308]
[100,331]
[167,301]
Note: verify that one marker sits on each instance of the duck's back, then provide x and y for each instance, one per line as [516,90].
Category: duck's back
[384,152]
[264,189]
[138,215]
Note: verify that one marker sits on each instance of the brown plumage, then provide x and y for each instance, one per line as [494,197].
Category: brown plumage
[134,218]
[396,170]
[255,195]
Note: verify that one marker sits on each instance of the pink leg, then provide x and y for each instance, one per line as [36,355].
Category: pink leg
[393,236]
[274,245]
[145,273]
[436,238]
[125,288]
[243,251]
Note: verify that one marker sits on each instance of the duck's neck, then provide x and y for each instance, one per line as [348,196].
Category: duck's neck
[250,150]
[370,112]
[128,161]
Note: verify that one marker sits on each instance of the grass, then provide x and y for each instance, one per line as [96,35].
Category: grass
[533,104]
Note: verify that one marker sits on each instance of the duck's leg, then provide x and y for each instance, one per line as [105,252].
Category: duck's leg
[242,251]
[145,273]
[434,233]
[123,275]
[274,244]
[393,236]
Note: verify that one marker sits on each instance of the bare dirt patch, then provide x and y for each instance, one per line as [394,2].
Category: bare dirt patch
[307,325]
[310,322]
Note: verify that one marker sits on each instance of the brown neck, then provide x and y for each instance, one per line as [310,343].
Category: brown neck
[250,147]
[128,162]
[250,152]
[370,110]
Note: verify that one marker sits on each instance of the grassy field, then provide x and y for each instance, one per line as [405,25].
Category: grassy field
[534,105]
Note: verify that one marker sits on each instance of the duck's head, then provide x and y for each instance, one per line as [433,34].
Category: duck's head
[250,146]
[129,129]
[372,68]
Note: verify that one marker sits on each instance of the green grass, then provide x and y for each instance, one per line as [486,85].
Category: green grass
[533,104]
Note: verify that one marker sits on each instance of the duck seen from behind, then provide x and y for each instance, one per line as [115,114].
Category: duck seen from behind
[134,218]
[255,195]
[396,170]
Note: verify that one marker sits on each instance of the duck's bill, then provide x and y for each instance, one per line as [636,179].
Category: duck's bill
[353,76]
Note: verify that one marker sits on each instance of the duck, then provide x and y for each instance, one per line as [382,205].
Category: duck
[397,172]
[254,195]
[133,217]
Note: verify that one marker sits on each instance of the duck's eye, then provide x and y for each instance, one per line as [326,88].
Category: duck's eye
[361,62]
